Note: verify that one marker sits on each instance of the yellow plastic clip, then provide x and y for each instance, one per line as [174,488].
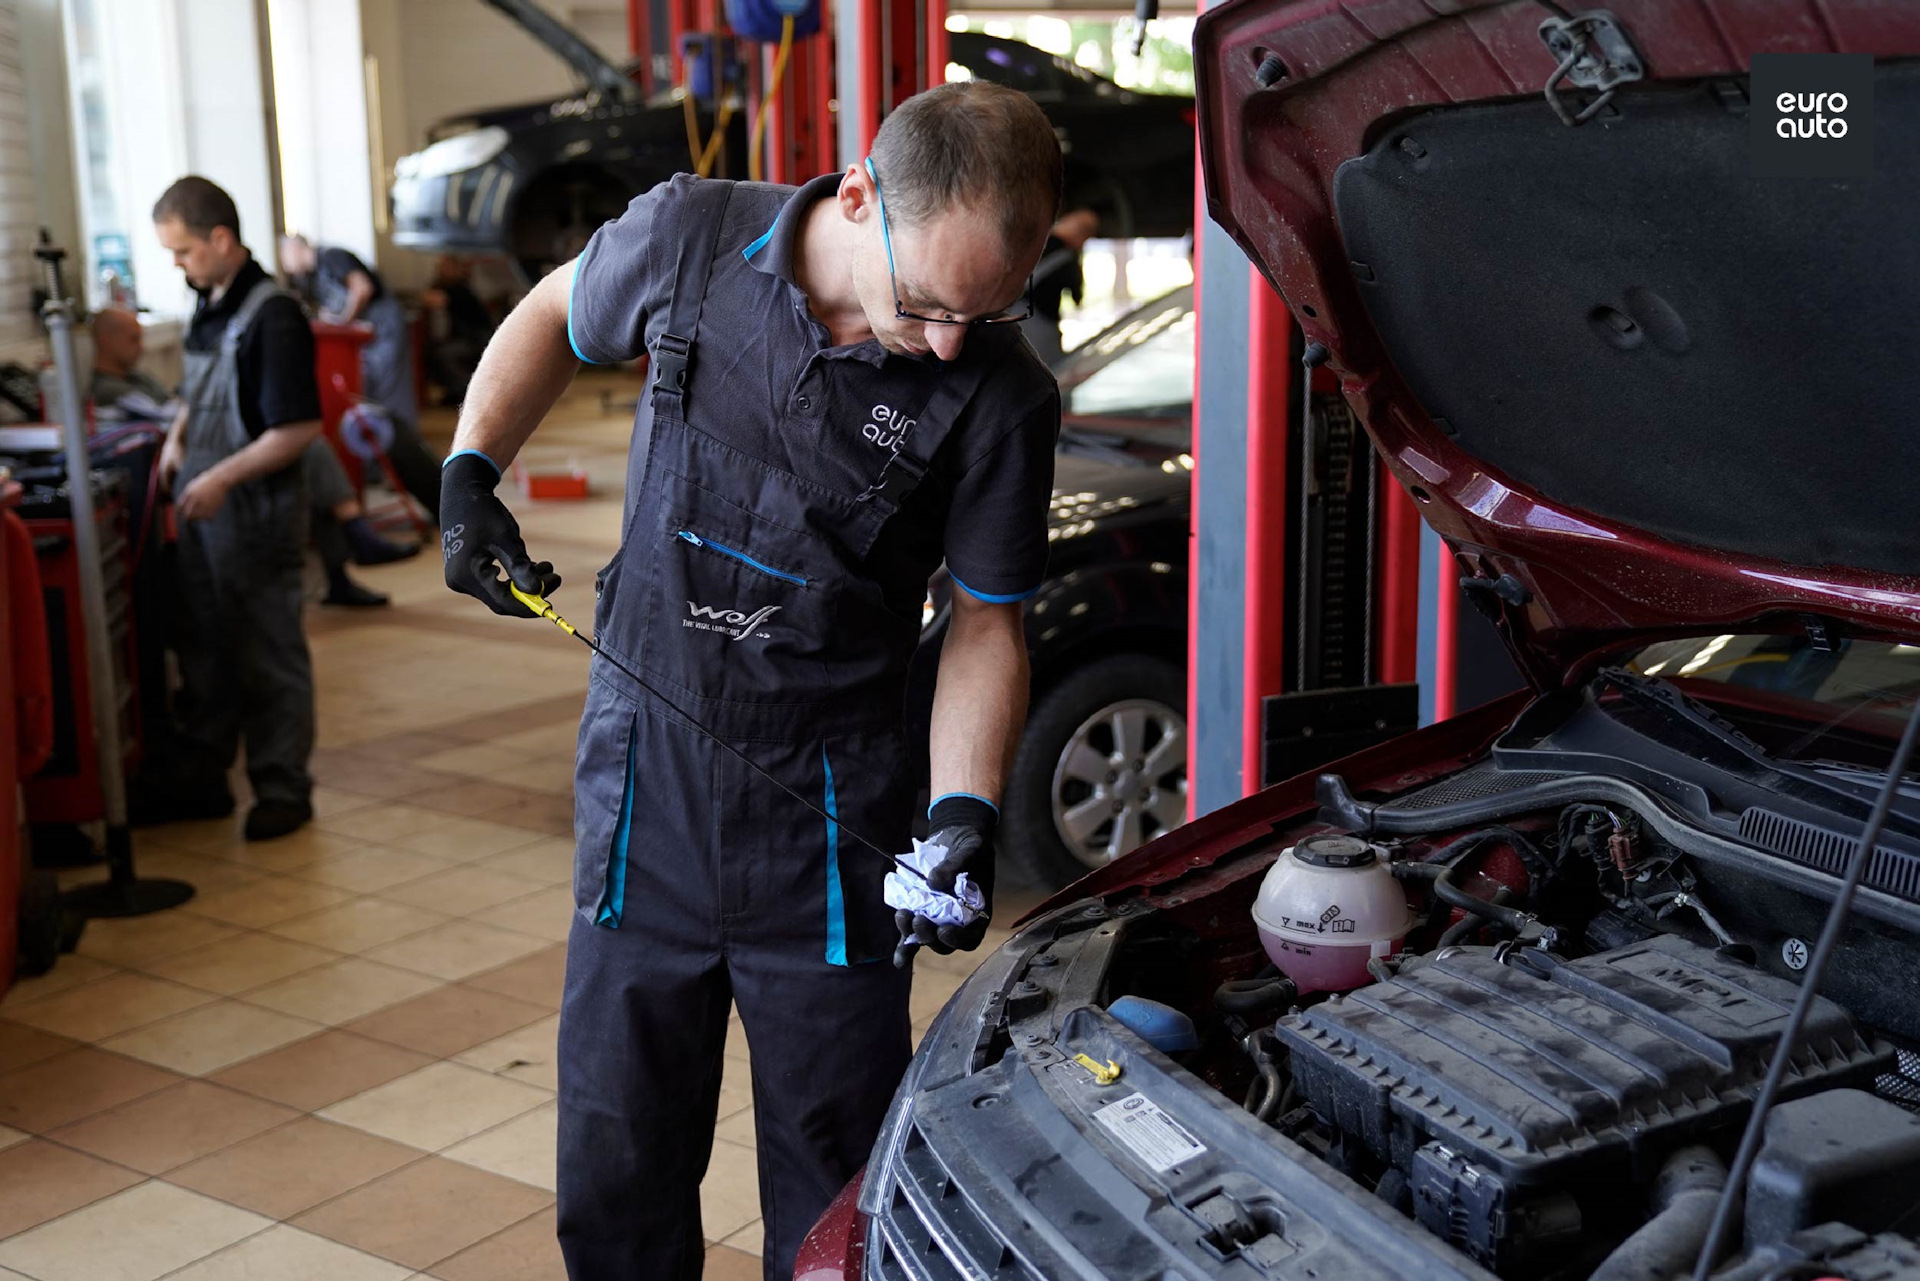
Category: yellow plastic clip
[1103,1073]
[538,604]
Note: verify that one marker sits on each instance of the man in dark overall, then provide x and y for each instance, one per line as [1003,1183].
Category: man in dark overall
[232,463]
[345,290]
[833,410]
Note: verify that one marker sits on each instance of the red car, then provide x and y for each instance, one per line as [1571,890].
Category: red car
[1495,999]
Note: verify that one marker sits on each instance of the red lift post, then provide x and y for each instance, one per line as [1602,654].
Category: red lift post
[1271,396]
[899,42]
[800,141]
[640,41]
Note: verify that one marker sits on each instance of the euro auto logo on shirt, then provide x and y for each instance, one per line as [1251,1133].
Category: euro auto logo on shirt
[886,425]
[1812,115]
[730,623]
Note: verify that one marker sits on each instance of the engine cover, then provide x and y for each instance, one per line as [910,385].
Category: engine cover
[1540,1067]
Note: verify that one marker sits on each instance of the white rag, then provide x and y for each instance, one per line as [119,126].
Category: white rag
[911,894]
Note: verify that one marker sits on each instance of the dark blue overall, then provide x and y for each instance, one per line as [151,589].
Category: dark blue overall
[741,594]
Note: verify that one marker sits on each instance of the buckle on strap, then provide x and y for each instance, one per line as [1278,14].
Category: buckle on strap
[900,477]
[672,355]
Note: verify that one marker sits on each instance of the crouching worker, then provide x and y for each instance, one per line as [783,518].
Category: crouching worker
[232,464]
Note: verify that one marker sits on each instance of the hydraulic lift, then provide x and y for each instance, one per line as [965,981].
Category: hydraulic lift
[868,56]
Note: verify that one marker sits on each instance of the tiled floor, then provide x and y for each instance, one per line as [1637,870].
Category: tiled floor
[336,1063]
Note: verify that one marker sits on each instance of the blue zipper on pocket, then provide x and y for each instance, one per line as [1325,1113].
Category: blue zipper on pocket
[688,536]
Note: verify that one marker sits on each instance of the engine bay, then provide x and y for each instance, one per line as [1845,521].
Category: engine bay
[1539,1037]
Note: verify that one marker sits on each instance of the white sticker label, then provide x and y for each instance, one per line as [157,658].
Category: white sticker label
[1149,1133]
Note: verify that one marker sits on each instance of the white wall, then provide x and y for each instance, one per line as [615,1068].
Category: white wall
[145,110]
[463,55]
[43,66]
[226,116]
[182,89]
[320,101]
[36,179]
[384,46]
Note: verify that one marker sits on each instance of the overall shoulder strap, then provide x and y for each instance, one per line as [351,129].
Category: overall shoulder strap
[915,451]
[699,232]
[249,308]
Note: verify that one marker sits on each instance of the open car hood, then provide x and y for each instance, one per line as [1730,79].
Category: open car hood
[1639,391]
[568,45]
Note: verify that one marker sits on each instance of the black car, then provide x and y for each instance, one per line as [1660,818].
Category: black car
[1102,764]
[533,181]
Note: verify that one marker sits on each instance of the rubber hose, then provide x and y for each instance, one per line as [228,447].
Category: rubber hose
[1469,925]
[1258,1001]
[1684,1196]
[1270,1077]
[1448,892]
[1539,870]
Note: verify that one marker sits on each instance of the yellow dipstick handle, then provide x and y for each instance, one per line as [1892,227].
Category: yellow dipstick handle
[538,604]
[1103,1073]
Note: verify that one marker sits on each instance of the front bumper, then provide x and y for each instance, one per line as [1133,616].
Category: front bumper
[463,212]
[836,1248]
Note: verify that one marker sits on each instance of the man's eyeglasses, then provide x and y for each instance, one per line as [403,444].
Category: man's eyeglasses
[899,310]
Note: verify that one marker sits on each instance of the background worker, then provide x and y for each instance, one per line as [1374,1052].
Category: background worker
[459,325]
[856,406]
[342,532]
[1059,273]
[118,345]
[232,462]
[344,290]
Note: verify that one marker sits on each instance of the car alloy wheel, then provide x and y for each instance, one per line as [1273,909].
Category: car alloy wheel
[1121,780]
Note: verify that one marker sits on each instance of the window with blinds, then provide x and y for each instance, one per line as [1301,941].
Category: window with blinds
[18,227]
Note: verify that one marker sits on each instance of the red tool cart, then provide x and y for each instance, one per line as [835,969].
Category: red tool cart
[67,789]
[337,363]
[26,694]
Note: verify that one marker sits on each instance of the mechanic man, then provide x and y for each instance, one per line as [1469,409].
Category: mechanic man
[118,345]
[1059,273]
[839,399]
[345,290]
[232,462]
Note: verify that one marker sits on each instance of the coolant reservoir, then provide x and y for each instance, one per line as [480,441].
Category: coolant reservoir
[1328,906]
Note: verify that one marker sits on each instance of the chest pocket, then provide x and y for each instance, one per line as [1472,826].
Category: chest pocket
[740,605]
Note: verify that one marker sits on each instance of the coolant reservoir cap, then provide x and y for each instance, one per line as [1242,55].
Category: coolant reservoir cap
[1335,851]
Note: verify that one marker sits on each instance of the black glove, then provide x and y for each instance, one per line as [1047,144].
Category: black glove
[479,537]
[964,825]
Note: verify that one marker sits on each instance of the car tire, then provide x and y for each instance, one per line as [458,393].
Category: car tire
[1056,787]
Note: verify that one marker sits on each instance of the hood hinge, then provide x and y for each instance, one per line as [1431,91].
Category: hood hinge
[1595,53]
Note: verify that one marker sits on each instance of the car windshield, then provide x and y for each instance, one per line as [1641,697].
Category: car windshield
[1147,370]
[1845,701]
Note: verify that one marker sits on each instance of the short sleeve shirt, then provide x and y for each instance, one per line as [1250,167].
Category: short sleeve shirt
[274,364]
[766,376]
[331,268]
